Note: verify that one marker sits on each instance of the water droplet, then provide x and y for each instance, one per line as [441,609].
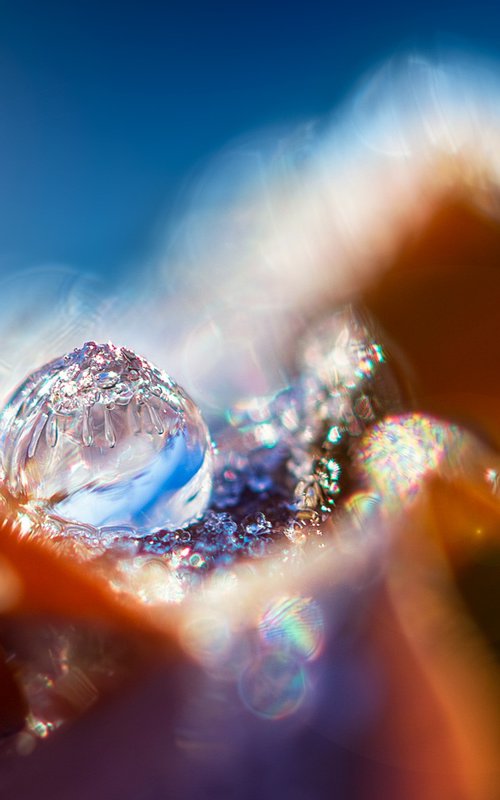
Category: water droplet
[103,448]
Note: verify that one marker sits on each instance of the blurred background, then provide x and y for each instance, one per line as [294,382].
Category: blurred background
[228,171]
[110,112]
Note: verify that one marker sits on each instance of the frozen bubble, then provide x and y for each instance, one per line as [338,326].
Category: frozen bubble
[104,438]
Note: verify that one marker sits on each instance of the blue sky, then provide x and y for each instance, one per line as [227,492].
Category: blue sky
[108,109]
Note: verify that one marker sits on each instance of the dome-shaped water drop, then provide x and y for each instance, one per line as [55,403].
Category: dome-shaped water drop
[105,438]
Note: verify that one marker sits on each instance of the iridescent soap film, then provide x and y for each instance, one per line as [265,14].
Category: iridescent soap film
[103,437]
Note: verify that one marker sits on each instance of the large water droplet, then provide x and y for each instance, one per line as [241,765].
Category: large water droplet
[105,438]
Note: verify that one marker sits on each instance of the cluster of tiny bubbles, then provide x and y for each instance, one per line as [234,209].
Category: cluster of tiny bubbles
[151,580]
[215,546]
[346,384]
[217,543]
[399,452]
[282,462]
[104,438]
[253,446]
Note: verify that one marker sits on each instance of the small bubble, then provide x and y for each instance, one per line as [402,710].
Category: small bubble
[183,536]
[197,561]
[256,524]
[106,380]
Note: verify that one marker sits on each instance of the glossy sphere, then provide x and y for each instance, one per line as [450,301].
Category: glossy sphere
[105,438]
